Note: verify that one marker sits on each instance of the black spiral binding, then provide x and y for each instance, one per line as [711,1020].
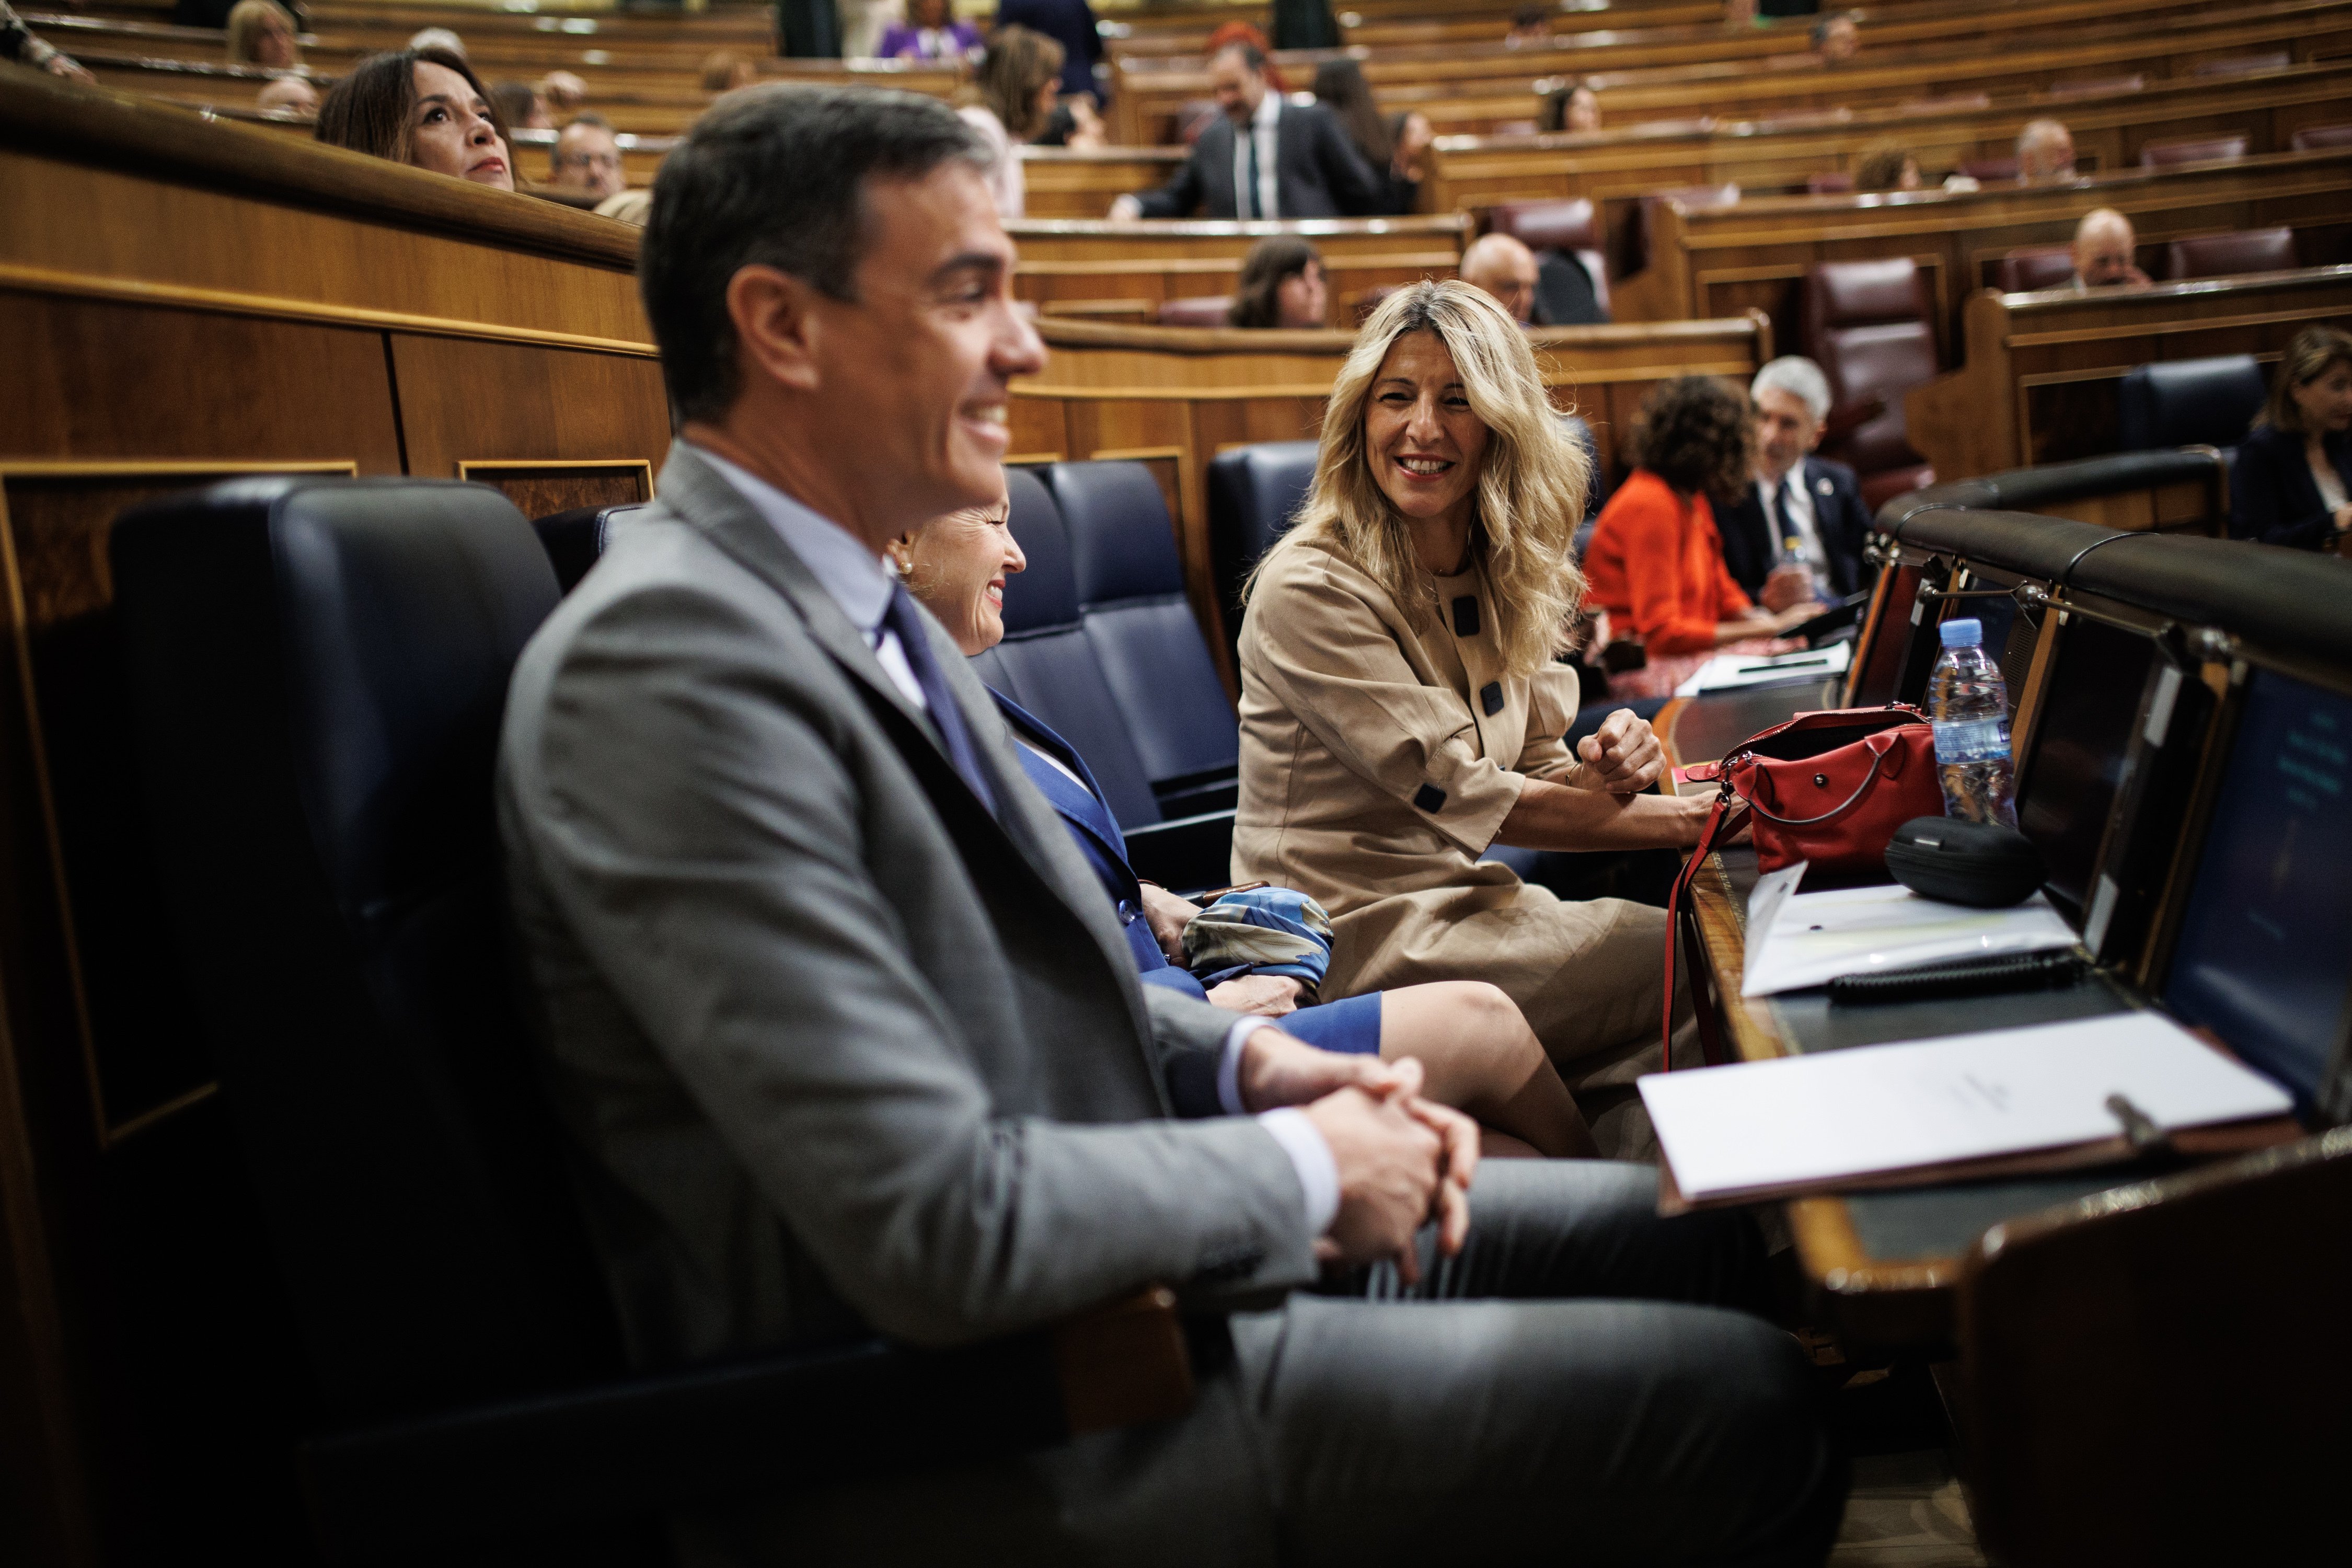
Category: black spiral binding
[1971,977]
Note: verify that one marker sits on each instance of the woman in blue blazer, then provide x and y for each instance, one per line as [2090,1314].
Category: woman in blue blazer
[2291,482]
[1474,1047]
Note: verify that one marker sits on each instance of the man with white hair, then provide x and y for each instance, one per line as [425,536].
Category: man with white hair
[2104,253]
[2045,150]
[1797,532]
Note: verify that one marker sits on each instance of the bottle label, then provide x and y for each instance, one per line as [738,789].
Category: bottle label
[1972,740]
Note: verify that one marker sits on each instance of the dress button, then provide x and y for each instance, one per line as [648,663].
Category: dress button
[1127,911]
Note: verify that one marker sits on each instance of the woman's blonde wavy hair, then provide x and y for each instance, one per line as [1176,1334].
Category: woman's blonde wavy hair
[1531,485]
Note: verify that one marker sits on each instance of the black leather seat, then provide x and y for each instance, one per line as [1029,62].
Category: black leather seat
[1255,494]
[1052,663]
[318,670]
[574,539]
[2191,402]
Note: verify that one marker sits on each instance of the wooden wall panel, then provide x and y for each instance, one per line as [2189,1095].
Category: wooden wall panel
[466,401]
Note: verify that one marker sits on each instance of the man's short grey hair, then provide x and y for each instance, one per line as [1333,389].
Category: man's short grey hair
[2033,132]
[1798,376]
[774,175]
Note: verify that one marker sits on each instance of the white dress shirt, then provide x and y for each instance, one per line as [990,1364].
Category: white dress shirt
[1269,184]
[855,579]
[1798,507]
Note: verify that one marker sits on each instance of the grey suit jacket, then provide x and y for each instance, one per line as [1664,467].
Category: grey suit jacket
[838,1047]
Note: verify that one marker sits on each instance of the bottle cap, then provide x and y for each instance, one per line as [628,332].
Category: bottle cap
[1967,631]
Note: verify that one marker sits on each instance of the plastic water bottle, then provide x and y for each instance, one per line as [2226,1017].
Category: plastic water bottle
[1968,704]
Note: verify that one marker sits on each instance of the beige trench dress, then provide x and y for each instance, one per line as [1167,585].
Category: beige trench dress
[1381,748]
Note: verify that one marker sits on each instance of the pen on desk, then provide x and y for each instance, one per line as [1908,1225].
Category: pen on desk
[2140,1129]
[1784,664]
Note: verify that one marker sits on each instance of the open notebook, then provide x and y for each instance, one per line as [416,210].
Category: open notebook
[1998,1103]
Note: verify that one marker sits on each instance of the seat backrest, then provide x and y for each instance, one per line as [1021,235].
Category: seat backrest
[1047,664]
[2033,267]
[2096,86]
[2192,150]
[1571,229]
[318,670]
[2311,137]
[1198,310]
[2225,255]
[1140,627]
[2244,65]
[1255,494]
[1866,325]
[574,539]
[2098,1338]
[1828,183]
[1990,171]
[2190,402]
[1546,225]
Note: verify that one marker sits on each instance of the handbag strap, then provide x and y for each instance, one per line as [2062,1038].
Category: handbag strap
[1721,824]
[1877,759]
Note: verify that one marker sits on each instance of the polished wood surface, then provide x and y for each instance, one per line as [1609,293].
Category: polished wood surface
[1173,398]
[1617,169]
[2040,380]
[1062,183]
[1754,254]
[183,302]
[1122,272]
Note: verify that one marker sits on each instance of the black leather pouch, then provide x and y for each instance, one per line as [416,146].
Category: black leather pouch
[1980,864]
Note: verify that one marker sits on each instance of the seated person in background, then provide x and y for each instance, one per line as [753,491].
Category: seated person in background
[1477,1052]
[1530,28]
[2102,252]
[1392,153]
[1017,83]
[2291,481]
[1069,23]
[19,43]
[627,206]
[564,91]
[1739,15]
[843,1034]
[1836,39]
[1575,110]
[1282,285]
[425,108]
[1656,562]
[723,70]
[1884,166]
[1506,268]
[521,107]
[289,95]
[2045,150]
[1264,158]
[262,33]
[587,157]
[1795,535]
[931,32]
[1403,710]
[436,38]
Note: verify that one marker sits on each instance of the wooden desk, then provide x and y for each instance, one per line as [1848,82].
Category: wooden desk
[1884,1264]
[1754,254]
[2039,385]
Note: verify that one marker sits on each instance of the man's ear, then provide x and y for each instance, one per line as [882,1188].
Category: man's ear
[775,325]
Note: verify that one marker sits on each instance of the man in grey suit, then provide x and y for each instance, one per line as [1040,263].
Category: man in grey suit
[847,1038]
[1263,157]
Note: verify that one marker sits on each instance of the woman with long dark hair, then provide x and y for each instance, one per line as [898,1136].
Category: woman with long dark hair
[1282,285]
[425,108]
[1391,151]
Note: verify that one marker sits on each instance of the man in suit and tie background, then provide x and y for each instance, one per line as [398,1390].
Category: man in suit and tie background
[847,1038]
[1263,157]
[1797,532]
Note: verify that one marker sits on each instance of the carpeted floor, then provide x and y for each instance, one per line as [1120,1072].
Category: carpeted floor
[1906,1512]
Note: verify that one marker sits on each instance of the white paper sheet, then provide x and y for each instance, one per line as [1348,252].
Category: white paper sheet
[1796,940]
[1729,672]
[1763,1126]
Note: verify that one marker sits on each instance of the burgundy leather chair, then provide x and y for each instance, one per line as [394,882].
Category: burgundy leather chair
[2192,150]
[2224,255]
[2095,86]
[1197,310]
[1828,183]
[2312,137]
[1944,103]
[1866,324]
[1990,171]
[2033,267]
[1570,227]
[1513,128]
[2244,65]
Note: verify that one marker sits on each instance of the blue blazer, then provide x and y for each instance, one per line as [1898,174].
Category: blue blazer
[1097,833]
[2273,496]
[1844,523]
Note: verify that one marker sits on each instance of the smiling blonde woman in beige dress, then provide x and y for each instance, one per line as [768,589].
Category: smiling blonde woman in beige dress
[1403,710]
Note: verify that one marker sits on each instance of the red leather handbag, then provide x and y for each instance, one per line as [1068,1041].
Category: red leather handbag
[1828,788]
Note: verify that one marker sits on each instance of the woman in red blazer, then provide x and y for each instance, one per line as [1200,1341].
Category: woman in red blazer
[1656,562]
